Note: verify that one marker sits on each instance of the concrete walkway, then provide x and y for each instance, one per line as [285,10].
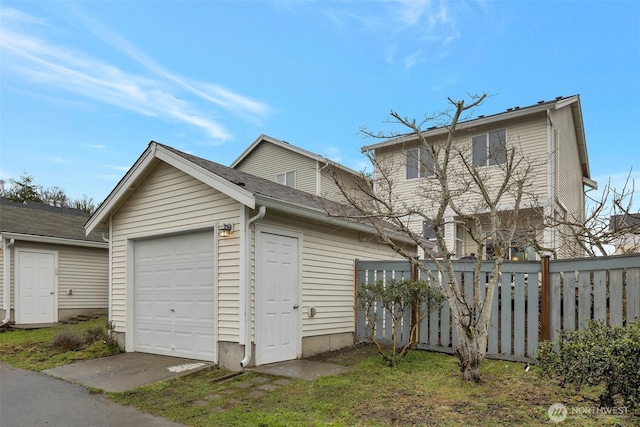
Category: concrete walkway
[126,371]
[301,369]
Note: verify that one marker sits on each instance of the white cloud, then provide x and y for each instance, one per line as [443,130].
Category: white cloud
[414,30]
[159,95]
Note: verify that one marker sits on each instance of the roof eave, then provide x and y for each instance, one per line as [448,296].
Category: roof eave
[54,240]
[482,121]
[155,151]
[321,216]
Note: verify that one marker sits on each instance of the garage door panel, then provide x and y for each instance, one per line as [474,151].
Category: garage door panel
[175,296]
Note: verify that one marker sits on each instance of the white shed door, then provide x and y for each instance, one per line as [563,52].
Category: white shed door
[277,290]
[36,287]
[174,308]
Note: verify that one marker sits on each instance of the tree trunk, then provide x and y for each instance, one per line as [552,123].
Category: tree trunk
[471,354]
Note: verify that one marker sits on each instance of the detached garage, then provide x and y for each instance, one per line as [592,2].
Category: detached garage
[49,269]
[211,263]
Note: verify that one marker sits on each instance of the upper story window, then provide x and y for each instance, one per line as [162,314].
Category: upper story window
[489,148]
[419,163]
[287,178]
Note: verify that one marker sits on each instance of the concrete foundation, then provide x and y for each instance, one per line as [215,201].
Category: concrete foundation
[67,313]
[323,343]
[230,354]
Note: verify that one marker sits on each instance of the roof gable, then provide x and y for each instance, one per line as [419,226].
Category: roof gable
[245,188]
[262,139]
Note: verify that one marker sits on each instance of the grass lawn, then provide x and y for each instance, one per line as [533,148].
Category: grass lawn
[424,390]
[33,349]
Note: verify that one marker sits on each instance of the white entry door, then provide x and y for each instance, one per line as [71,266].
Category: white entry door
[277,288]
[36,287]
[174,287]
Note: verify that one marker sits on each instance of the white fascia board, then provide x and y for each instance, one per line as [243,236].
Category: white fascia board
[496,118]
[54,240]
[121,190]
[214,181]
[320,216]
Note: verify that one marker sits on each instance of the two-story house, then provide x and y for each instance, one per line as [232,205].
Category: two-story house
[275,160]
[550,138]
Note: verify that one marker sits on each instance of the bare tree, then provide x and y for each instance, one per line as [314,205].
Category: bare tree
[489,204]
[610,223]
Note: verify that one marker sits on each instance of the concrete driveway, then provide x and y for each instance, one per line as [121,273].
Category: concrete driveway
[126,371]
[32,399]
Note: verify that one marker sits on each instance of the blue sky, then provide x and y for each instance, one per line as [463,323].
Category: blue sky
[84,86]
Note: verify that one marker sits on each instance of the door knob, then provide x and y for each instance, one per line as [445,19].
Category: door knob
[295,307]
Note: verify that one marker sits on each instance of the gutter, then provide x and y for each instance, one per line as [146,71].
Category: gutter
[7,279]
[247,288]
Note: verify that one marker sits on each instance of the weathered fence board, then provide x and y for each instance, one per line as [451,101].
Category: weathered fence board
[606,289]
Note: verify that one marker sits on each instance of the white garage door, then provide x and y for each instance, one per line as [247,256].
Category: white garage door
[174,309]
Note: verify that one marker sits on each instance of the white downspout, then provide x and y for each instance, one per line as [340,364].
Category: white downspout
[7,279]
[247,286]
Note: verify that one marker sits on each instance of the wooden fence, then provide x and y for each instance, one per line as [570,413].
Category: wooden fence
[533,301]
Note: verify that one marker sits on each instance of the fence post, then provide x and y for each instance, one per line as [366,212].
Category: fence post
[415,310]
[545,333]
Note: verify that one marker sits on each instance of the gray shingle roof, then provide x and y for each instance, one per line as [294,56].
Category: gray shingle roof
[261,186]
[40,219]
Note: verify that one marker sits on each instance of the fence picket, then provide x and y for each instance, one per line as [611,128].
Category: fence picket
[518,315]
[569,301]
[615,297]
[600,295]
[580,289]
[584,298]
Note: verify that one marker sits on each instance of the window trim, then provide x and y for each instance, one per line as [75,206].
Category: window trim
[421,166]
[489,159]
[285,175]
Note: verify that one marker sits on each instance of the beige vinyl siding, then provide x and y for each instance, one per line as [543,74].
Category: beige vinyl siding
[83,270]
[328,187]
[569,173]
[530,136]
[328,272]
[267,160]
[169,200]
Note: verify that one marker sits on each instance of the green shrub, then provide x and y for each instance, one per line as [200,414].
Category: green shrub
[67,340]
[397,299]
[598,355]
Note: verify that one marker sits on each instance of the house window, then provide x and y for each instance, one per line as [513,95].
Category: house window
[489,148]
[420,163]
[287,178]
[459,241]
[428,233]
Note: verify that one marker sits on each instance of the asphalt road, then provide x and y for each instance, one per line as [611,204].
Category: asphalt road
[32,399]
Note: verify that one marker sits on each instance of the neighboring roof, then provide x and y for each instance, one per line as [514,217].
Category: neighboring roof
[510,113]
[35,221]
[625,221]
[243,187]
[287,146]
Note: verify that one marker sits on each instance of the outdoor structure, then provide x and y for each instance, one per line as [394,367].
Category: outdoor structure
[212,263]
[629,239]
[549,135]
[286,164]
[49,269]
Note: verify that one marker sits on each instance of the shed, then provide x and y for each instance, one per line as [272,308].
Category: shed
[50,269]
[212,263]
